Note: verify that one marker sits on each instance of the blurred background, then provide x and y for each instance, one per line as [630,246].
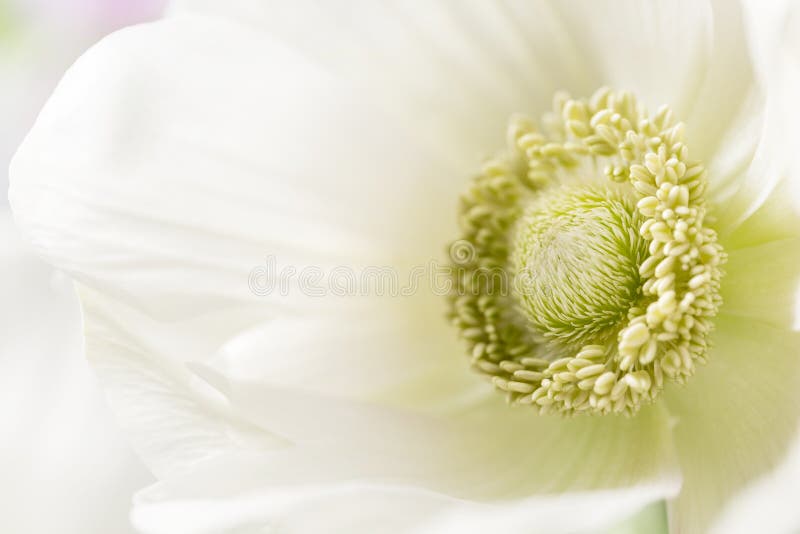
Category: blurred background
[65,467]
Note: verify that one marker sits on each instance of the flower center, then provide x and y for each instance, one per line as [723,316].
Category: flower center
[599,218]
[577,255]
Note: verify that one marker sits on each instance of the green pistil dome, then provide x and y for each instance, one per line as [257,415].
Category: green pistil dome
[585,273]
[577,255]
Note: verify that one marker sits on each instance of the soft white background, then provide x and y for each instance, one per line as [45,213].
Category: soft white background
[65,467]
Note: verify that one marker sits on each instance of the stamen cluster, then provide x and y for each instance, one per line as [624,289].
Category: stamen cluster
[603,176]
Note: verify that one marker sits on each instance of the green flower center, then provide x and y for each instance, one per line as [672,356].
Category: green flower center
[599,218]
[577,256]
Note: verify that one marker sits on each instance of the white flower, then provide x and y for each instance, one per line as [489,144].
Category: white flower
[174,157]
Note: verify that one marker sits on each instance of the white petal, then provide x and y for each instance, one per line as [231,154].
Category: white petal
[181,416]
[174,157]
[208,439]
[66,467]
[762,275]
[162,221]
[769,504]
[773,168]
[772,33]
[180,508]
[477,461]
[658,50]
[487,425]
[735,419]
[172,417]
[762,282]
[377,347]
[724,116]
[490,468]
[455,71]
[448,67]
[693,56]
[661,50]
[467,63]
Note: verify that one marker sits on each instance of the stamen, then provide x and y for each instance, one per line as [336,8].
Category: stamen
[615,272]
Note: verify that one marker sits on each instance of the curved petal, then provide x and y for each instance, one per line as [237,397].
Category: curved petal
[658,50]
[249,453]
[752,486]
[184,417]
[762,282]
[386,349]
[694,56]
[162,221]
[172,418]
[455,71]
[161,182]
[763,240]
[735,419]
[768,504]
[368,348]
[352,507]
[174,157]
[725,114]
[491,468]
[512,56]
[773,169]
[762,275]
[234,455]
[448,66]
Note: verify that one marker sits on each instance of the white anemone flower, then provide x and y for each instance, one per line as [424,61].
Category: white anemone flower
[650,355]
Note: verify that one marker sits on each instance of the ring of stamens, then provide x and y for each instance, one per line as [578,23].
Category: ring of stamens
[590,355]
